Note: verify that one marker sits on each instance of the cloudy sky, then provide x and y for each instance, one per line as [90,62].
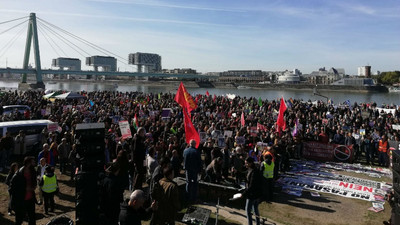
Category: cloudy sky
[211,35]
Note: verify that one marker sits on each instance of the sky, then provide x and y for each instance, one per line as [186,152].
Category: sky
[210,35]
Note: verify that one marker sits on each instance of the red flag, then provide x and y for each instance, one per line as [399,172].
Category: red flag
[280,122]
[190,130]
[208,94]
[242,120]
[184,99]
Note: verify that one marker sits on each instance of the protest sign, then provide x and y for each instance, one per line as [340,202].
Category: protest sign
[396,127]
[253,131]
[203,137]
[362,131]
[228,133]
[327,152]
[240,140]
[166,112]
[324,121]
[51,127]
[364,114]
[125,129]
[335,187]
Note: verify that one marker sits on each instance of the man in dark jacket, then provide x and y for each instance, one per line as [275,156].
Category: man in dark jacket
[22,189]
[192,164]
[112,191]
[132,211]
[253,191]
[168,204]
[139,157]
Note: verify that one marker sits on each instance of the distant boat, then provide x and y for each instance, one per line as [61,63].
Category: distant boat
[394,89]
[243,87]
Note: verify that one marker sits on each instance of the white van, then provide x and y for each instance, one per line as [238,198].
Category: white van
[9,109]
[32,130]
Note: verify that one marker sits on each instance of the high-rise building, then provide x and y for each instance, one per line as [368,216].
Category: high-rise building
[150,61]
[364,71]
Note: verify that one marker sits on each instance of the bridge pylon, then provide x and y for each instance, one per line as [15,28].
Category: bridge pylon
[32,35]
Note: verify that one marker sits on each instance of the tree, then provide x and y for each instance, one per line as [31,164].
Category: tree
[389,78]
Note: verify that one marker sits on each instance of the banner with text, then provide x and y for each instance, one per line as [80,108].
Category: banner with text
[327,152]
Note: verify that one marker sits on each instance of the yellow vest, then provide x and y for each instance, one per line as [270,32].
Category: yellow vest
[268,170]
[49,184]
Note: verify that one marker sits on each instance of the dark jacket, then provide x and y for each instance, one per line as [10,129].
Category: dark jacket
[8,180]
[130,216]
[112,192]
[253,185]
[169,204]
[192,160]
[139,150]
[18,187]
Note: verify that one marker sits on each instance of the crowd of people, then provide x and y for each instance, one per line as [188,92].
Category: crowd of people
[229,150]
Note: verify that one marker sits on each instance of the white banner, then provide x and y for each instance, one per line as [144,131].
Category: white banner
[335,187]
[125,129]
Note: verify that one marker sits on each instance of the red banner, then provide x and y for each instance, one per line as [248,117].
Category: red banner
[327,152]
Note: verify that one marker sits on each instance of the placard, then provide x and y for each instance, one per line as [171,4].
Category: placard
[51,127]
[396,127]
[166,112]
[203,137]
[240,140]
[228,133]
[362,131]
[125,129]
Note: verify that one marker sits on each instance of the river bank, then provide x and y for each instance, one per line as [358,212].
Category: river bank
[173,84]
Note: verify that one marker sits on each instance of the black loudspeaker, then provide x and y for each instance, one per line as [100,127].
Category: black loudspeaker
[396,160]
[396,203]
[87,198]
[396,181]
[396,170]
[90,146]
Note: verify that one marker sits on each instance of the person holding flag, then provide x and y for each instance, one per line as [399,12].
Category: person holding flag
[184,99]
[280,122]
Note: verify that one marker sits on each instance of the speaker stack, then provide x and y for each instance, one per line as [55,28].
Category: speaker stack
[89,140]
[396,180]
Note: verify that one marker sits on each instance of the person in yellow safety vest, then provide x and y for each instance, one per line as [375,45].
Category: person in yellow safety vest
[49,187]
[383,158]
[267,169]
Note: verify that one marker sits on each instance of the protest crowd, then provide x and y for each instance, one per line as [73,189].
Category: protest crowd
[241,141]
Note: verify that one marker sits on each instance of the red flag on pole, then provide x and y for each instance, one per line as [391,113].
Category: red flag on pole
[208,94]
[280,122]
[242,122]
[184,99]
[190,130]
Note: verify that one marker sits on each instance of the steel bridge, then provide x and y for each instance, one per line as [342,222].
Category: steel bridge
[32,38]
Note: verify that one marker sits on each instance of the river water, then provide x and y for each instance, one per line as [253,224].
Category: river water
[337,97]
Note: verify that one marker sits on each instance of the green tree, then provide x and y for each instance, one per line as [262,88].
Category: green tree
[389,78]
